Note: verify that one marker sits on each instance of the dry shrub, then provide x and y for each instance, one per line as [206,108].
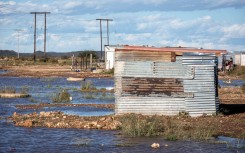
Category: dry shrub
[171,128]
[138,125]
[62,96]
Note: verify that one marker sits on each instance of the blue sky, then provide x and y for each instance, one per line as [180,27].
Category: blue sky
[72,24]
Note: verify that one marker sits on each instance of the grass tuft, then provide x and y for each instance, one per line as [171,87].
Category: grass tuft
[87,86]
[136,125]
[62,96]
[171,128]
[24,90]
[8,89]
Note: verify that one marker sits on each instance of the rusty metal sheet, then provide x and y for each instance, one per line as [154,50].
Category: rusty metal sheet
[151,86]
[145,56]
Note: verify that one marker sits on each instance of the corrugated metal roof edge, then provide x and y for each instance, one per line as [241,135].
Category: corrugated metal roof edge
[168,49]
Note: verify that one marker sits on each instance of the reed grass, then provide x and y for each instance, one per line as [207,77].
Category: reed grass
[171,128]
[61,96]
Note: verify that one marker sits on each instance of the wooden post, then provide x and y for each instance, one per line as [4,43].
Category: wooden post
[91,60]
[86,62]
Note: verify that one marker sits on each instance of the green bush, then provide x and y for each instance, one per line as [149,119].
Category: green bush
[237,71]
[52,60]
[87,86]
[62,96]
[109,72]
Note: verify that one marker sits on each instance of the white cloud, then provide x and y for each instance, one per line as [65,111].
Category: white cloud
[142,26]
[234,31]
[71,4]
[54,37]
[7,3]
[155,2]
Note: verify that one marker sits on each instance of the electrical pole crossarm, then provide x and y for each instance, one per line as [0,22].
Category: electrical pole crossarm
[39,12]
[35,13]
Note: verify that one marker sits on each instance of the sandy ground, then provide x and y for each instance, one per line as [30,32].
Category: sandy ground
[48,71]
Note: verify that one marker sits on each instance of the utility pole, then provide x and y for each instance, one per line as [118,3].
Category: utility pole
[35,26]
[18,30]
[35,13]
[45,28]
[107,20]
[100,40]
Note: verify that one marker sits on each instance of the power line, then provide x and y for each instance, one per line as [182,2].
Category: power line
[19,30]
[107,20]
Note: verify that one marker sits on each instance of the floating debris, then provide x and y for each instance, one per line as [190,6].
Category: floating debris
[155,145]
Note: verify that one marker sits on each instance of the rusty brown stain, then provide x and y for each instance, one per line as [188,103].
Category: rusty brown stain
[151,86]
[145,56]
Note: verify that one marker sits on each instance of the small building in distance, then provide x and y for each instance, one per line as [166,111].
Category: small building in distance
[110,56]
[166,81]
[240,59]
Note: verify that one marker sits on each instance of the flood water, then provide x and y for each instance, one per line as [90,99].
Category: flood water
[20,139]
[231,83]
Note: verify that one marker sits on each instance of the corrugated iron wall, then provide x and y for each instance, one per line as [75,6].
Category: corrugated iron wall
[202,85]
[165,87]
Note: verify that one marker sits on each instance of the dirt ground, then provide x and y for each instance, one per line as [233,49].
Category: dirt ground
[48,71]
[232,95]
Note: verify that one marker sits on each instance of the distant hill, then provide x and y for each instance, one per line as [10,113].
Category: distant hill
[11,53]
[7,53]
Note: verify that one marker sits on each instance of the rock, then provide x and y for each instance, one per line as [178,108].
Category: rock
[92,124]
[45,114]
[35,114]
[42,113]
[98,126]
[101,125]
[14,114]
[102,119]
[48,124]
[109,119]
[86,126]
[64,117]
[115,125]
[155,145]
[28,123]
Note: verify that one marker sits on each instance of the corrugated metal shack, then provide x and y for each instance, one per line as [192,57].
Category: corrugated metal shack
[166,81]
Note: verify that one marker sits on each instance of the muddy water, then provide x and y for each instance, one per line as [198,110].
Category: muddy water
[3,71]
[227,83]
[19,139]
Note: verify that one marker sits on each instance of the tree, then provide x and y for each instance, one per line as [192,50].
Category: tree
[87,53]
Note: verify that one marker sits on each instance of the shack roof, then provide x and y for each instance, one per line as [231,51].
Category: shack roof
[177,50]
